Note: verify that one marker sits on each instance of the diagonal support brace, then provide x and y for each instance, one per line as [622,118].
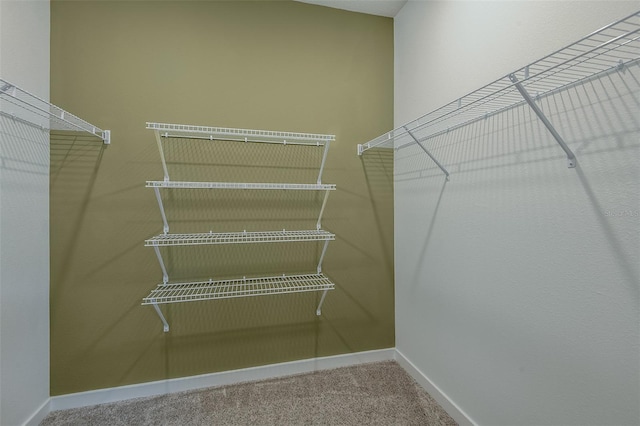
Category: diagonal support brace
[165,324]
[571,158]
[428,153]
[324,203]
[165,224]
[324,160]
[319,310]
[324,251]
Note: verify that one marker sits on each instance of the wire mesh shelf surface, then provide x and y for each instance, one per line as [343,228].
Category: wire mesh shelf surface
[609,49]
[240,135]
[49,115]
[239,237]
[243,287]
[239,185]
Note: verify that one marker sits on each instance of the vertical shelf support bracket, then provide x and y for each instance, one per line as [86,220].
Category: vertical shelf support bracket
[164,162]
[571,158]
[324,159]
[428,153]
[324,203]
[324,250]
[319,310]
[165,276]
[165,226]
[165,324]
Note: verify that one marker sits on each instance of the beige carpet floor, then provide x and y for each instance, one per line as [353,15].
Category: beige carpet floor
[380,393]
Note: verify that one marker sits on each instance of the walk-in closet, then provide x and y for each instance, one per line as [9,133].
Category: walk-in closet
[320,212]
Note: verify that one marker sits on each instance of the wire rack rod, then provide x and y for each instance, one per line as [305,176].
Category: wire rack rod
[55,117]
[239,135]
[238,238]
[243,287]
[608,49]
[240,185]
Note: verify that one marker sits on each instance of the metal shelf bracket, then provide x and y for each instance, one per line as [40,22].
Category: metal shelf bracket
[324,160]
[165,275]
[446,173]
[324,203]
[165,224]
[319,309]
[571,158]
[324,250]
[165,324]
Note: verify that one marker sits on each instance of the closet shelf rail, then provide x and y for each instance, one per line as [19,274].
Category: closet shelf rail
[239,135]
[609,49]
[238,237]
[244,287]
[222,289]
[49,115]
[186,131]
[241,185]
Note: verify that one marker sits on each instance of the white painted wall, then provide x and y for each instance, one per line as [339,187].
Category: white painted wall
[518,282]
[24,219]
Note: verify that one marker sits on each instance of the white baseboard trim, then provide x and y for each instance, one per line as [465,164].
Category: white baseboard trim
[38,416]
[103,396]
[441,398]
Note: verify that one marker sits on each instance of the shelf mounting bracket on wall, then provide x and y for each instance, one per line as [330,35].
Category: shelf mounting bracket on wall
[319,309]
[165,324]
[446,173]
[571,158]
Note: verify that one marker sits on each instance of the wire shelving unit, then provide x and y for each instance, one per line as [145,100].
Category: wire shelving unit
[243,287]
[19,104]
[609,49]
[238,238]
[168,292]
[241,185]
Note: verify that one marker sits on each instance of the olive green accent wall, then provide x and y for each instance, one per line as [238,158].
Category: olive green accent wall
[266,65]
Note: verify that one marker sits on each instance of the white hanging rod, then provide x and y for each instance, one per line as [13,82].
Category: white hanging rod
[239,237]
[240,185]
[239,135]
[57,118]
[609,49]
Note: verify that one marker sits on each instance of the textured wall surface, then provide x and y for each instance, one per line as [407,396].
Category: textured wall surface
[263,65]
[517,282]
[24,216]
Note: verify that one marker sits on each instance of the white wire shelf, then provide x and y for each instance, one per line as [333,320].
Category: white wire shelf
[239,135]
[50,116]
[243,287]
[609,49]
[238,238]
[240,185]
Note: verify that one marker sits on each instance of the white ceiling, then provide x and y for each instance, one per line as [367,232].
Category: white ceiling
[373,7]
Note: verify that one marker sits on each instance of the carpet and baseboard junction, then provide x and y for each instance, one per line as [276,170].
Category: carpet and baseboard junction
[367,388]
